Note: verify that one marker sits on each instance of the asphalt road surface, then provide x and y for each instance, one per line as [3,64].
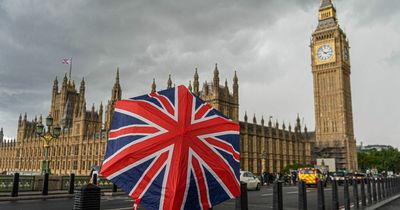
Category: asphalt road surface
[257,200]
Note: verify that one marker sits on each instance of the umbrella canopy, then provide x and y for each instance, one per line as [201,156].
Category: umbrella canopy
[170,150]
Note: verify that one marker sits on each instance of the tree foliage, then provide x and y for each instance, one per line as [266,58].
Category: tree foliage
[384,160]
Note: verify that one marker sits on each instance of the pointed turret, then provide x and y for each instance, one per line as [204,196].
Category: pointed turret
[236,88]
[270,122]
[326,3]
[205,88]
[55,86]
[20,119]
[327,15]
[190,85]
[1,135]
[283,125]
[65,81]
[153,86]
[245,116]
[262,120]
[25,117]
[82,87]
[196,82]
[116,91]
[254,119]
[169,82]
[216,81]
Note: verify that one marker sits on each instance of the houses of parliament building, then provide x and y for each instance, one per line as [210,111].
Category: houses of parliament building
[265,145]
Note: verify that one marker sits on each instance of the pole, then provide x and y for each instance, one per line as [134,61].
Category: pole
[355,194]
[302,195]
[363,197]
[321,197]
[14,192]
[277,196]
[45,189]
[335,196]
[346,195]
[369,195]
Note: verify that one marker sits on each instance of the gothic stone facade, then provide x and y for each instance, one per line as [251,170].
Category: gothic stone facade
[330,61]
[83,141]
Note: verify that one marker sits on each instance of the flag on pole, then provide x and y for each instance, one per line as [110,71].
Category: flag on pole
[66,60]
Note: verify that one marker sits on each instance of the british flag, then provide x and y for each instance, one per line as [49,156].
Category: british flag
[170,150]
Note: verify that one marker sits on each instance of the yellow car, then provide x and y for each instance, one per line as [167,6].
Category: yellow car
[310,176]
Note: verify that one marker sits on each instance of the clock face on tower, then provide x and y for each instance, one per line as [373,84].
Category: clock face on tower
[325,52]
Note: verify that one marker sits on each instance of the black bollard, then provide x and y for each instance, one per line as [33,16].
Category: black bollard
[277,202]
[346,195]
[321,196]
[363,197]
[374,195]
[241,201]
[378,182]
[114,188]
[94,176]
[335,197]
[369,194]
[45,189]
[14,192]
[383,188]
[71,184]
[87,198]
[355,194]
[302,195]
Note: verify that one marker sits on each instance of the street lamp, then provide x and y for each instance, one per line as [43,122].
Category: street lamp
[47,135]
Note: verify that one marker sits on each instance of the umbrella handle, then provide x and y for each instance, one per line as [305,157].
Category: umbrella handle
[136,204]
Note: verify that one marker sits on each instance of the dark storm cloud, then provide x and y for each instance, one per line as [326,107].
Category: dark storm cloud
[265,41]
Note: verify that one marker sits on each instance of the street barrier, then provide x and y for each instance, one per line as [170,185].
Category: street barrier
[45,189]
[241,202]
[335,197]
[374,194]
[363,197]
[302,195]
[321,196]
[346,195]
[14,192]
[71,184]
[369,194]
[355,193]
[277,198]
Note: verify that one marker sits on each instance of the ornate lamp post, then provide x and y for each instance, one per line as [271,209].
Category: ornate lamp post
[47,135]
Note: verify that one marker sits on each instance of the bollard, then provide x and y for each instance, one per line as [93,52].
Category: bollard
[87,198]
[94,179]
[346,195]
[369,195]
[14,192]
[363,197]
[114,188]
[45,189]
[383,188]
[302,195]
[374,195]
[241,201]
[321,197]
[277,201]
[355,194]
[335,197]
[378,182]
[71,184]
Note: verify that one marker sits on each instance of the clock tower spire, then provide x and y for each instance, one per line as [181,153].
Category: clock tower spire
[330,63]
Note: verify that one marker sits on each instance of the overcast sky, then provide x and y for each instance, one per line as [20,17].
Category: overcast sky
[265,41]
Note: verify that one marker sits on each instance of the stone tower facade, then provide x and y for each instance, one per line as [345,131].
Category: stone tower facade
[330,61]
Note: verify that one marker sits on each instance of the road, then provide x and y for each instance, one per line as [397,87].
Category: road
[257,200]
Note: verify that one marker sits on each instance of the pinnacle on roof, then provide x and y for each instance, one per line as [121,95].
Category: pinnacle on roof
[326,3]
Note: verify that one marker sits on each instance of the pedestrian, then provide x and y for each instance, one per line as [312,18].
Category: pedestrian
[266,177]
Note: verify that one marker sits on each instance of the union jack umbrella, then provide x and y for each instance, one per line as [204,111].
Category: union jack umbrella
[170,150]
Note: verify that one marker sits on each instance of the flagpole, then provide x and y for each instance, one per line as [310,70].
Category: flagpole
[70,69]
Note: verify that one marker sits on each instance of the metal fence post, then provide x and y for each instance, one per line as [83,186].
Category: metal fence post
[374,195]
[363,197]
[302,195]
[241,201]
[14,192]
[87,198]
[114,188]
[71,184]
[335,197]
[355,194]
[346,195]
[45,189]
[321,196]
[277,202]
[369,195]
[378,180]
[383,188]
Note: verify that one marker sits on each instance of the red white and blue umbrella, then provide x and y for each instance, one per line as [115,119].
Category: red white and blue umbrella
[170,150]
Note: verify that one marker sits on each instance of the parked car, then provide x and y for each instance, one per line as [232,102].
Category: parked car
[339,177]
[253,183]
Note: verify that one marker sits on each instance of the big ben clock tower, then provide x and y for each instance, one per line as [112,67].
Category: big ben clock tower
[330,61]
